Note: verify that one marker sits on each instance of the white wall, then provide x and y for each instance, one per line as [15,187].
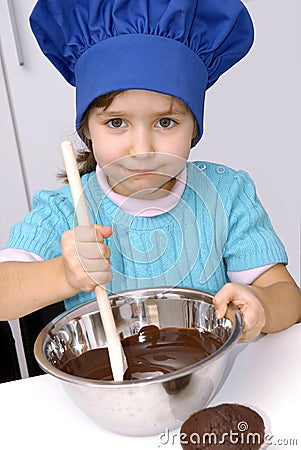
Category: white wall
[252,118]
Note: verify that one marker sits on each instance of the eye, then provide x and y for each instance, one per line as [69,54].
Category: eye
[116,123]
[166,123]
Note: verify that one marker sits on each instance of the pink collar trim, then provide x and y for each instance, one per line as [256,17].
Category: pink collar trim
[141,207]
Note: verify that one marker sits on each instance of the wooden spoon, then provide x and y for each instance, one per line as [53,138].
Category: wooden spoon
[116,354]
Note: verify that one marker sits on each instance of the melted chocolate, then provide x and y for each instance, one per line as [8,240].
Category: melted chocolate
[150,353]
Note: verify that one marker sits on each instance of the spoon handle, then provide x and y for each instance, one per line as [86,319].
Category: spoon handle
[116,353]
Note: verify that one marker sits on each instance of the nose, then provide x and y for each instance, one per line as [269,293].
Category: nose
[141,144]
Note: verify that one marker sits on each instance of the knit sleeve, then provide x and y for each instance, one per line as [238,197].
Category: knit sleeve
[252,241]
[41,230]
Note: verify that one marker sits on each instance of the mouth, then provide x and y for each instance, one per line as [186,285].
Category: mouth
[140,171]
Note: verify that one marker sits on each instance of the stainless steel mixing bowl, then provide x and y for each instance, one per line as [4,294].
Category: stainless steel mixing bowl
[140,407]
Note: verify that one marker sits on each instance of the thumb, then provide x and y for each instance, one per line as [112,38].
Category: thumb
[220,306]
[106,231]
[222,299]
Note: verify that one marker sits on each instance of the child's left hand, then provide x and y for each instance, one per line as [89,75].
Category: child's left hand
[246,300]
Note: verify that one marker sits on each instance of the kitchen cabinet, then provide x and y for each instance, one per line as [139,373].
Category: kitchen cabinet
[13,198]
[36,114]
[42,102]
[13,191]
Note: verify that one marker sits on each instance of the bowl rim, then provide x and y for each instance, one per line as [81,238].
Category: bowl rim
[48,368]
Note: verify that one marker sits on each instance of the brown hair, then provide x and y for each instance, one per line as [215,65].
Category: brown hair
[85,157]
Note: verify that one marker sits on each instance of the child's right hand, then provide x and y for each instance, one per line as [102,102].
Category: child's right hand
[86,257]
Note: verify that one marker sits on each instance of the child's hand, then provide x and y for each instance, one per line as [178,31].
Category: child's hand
[86,257]
[246,300]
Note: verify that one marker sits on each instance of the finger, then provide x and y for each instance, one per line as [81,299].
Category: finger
[92,250]
[248,336]
[90,233]
[254,322]
[95,265]
[102,232]
[100,278]
[105,231]
[220,302]
[87,233]
[230,313]
[229,293]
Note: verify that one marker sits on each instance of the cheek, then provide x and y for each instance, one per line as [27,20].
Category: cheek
[180,145]
[105,151]
[182,140]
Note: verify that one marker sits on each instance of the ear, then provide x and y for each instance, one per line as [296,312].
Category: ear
[195,130]
[86,137]
[86,133]
[195,133]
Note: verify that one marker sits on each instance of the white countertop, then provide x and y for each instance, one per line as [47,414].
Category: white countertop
[36,413]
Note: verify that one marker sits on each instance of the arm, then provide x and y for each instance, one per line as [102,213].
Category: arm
[280,298]
[28,286]
[271,303]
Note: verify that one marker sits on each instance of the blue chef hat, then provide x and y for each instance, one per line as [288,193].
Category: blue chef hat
[176,47]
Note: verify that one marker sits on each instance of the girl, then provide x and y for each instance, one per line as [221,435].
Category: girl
[160,220]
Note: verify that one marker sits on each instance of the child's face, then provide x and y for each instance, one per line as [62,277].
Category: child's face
[142,141]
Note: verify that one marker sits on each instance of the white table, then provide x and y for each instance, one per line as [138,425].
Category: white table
[36,413]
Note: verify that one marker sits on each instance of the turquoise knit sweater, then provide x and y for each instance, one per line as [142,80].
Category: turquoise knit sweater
[219,225]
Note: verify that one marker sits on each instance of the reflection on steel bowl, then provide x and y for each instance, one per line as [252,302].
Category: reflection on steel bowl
[146,406]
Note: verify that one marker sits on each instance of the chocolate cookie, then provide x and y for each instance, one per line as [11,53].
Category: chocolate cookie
[223,427]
